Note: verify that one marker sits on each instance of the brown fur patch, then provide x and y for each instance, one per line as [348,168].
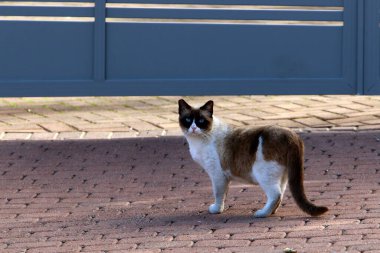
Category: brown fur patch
[238,152]
[277,142]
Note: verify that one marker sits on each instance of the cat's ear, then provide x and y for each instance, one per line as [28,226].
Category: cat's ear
[208,107]
[183,106]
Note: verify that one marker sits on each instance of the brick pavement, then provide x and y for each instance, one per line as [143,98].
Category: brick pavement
[146,195]
[121,117]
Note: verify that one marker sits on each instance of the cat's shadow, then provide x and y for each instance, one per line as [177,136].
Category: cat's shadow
[230,218]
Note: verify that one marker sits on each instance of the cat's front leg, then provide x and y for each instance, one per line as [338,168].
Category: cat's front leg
[220,187]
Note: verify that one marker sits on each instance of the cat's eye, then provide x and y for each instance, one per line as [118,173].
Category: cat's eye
[188,120]
[201,121]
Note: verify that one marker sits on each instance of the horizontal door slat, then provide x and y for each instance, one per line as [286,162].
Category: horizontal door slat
[240,2]
[226,14]
[46,11]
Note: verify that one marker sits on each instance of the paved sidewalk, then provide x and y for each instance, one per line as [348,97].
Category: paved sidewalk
[121,117]
[90,194]
[146,195]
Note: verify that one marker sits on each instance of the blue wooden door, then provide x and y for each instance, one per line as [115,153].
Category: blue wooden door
[372,47]
[188,47]
[46,47]
[233,46]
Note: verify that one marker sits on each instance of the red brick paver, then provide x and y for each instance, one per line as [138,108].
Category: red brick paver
[146,195]
[120,117]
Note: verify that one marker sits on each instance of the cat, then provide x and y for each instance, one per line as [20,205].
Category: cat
[269,156]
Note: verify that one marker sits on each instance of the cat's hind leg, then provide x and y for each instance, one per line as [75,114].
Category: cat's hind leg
[284,183]
[273,195]
[269,177]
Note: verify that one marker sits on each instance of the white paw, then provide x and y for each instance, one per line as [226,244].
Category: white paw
[261,214]
[214,208]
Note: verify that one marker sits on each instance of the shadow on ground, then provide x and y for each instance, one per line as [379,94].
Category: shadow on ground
[146,194]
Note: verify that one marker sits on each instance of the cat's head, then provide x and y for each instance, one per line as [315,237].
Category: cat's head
[195,121]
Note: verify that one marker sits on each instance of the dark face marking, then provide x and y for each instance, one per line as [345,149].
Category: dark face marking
[202,117]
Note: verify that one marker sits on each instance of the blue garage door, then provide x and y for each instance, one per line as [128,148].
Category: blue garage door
[371,47]
[187,47]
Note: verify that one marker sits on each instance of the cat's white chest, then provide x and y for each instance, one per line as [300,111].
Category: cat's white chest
[203,153]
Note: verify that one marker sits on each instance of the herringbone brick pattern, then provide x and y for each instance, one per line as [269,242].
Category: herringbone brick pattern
[121,117]
[146,195]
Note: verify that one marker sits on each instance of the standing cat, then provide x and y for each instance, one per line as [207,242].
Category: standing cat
[269,156]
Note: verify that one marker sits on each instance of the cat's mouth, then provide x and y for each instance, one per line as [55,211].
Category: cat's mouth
[196,134]
[193,132]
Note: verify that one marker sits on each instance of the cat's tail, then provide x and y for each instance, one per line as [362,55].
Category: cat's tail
[295,175]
